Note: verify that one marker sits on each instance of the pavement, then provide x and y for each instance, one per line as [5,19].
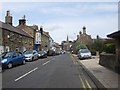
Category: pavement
[106,77]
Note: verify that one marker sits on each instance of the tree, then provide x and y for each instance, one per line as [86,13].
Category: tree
[98,45]
[81,46]
[109,48]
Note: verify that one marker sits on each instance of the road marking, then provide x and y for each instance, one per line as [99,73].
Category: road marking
[88,84]
[25,74]
[46,63]
[73,59]
[82,82]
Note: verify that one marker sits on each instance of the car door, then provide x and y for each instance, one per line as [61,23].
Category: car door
[15,58]
[20,58]
[35,54]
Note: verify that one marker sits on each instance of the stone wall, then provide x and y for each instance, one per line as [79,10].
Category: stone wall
[1,36]
[107,60]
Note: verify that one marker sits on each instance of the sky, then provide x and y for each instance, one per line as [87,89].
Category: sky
[66,18]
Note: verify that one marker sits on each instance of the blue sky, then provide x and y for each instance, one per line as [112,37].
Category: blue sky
[66,18]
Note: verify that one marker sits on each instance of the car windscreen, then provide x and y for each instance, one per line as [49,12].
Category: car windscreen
[28,52]
[3,54]
[84,51]
[9,54]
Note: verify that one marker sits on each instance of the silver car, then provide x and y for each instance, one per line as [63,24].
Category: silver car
[31,55]
[84,54]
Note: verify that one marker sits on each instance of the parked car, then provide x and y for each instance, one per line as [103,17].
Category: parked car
[31,55]
[2,55]
[84,54]
[42,54]
[51,53]
[9,59]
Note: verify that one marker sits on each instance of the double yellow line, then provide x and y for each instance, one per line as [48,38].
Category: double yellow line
[83,84]
[86,81]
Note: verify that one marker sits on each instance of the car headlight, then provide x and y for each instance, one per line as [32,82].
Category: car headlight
[3,61]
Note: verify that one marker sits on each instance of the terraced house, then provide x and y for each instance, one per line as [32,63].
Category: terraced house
[1,40]
[31,30]
[44,42]
[13,38]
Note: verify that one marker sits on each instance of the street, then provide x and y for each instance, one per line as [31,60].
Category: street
[60,71]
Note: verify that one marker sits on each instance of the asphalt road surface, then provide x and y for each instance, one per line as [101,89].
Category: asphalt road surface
[61,71]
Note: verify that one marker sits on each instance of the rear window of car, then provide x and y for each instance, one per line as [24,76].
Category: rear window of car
[84,51]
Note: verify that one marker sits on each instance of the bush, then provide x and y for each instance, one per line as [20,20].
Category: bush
[109,48]
[81,46]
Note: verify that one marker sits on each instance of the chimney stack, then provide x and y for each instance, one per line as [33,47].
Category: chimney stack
[22,21]
[8,18]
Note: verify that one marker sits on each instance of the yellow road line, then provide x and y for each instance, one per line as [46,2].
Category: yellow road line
[88,84]
[81,78]
[73,59]
[82,83]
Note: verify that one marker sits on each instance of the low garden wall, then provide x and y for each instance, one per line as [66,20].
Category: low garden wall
[107,60]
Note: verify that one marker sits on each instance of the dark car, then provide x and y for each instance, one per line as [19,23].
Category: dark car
[51,53]
[42,54]
[10,59]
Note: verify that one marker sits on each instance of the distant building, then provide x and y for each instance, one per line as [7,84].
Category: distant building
[13,38]
[84,38]
[66,45]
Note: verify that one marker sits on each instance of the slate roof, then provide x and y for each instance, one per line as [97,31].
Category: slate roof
[114,35]
[13,29]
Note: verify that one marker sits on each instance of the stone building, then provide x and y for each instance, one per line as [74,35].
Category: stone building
[84,38]
[116,37]
[66,45]
[45,42]
[31,30]
[12,37]
[1,40]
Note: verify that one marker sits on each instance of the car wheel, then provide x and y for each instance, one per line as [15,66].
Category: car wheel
[23,62]
[10,65]
[32,58]
[37,57]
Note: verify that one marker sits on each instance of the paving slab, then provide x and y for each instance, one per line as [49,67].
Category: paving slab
[107,77]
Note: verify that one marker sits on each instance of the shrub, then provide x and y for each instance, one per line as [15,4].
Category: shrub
[109,48]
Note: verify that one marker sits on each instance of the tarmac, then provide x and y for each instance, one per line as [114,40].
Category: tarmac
[108,78]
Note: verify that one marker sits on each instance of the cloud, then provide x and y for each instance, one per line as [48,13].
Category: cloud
[52,27]
[62,19]
[95,26]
